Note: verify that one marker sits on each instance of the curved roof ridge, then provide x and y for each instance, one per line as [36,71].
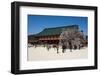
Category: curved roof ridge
[61,26]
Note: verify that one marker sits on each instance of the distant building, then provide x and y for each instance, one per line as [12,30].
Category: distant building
[50,35]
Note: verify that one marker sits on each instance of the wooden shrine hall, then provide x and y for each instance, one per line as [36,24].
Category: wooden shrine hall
[49,35]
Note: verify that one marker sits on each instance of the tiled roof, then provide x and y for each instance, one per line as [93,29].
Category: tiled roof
[55,30]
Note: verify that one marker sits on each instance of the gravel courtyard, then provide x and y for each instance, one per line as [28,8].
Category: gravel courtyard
[41,53]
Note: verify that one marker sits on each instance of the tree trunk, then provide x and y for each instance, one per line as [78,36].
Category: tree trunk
[70,46]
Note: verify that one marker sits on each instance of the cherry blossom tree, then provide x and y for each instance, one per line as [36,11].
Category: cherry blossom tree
[72,39]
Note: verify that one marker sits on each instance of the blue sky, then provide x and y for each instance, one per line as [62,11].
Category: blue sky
[36,23]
